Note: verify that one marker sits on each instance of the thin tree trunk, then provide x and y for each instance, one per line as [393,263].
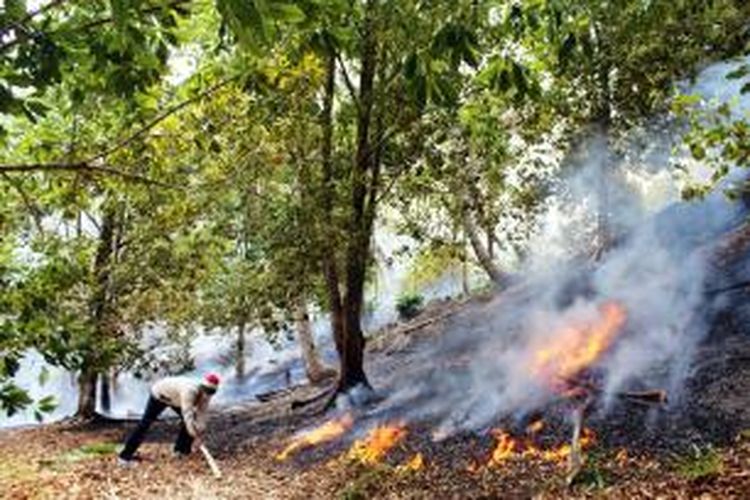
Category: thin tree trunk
[603,118]
[483,256]
[315,370]
[239,366]
[105,395]
[465,269]
[330,267]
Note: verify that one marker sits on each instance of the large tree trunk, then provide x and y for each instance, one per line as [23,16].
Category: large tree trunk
[351,353]
[315,370]
[86,395]
[98,311]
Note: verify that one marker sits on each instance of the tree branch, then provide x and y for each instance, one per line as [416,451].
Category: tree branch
[29,16]
[160,118]
[81,167]
[35,212]
[23,36]
[91,165]
[348,81]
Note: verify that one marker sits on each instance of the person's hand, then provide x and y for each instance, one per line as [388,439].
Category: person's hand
[198,441]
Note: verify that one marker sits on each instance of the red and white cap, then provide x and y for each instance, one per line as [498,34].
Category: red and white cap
[211,381]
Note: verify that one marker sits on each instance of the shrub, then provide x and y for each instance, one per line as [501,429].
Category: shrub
[409,305]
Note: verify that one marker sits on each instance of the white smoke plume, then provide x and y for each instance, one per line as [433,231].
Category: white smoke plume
[655,268]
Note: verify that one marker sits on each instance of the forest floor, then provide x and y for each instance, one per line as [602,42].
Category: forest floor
[703,453]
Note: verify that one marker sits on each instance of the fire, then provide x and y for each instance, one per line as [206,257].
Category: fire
[535,427]
[326,432]
[508,448]
[622,457]
[577,347]
[377,444]
[415,464]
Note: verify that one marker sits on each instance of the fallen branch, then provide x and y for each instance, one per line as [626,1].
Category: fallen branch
[408,328]
[299,403]
[656,396]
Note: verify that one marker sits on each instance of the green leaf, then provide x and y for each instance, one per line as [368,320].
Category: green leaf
[745,88]
[697,151]
[739,72]
[15,9]
[43,376]
[47,404]
[245,20]
[288,12]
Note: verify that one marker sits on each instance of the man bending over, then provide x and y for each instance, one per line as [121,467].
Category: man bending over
[188,398]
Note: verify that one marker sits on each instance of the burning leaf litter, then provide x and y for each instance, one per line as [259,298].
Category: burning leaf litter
[329,431]
[378,443]
[510,448]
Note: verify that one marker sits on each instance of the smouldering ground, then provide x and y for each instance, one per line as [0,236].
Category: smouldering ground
[67,462]
[701,450]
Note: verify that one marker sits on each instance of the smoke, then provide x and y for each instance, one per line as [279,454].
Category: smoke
[614,231]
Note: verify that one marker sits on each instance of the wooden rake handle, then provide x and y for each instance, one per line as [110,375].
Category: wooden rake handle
[211,462]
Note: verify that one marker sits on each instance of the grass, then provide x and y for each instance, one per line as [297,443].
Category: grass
[84,452]
[593,476]
[702,463]
[366,480]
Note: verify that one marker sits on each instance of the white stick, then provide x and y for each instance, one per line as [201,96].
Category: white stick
[211,462]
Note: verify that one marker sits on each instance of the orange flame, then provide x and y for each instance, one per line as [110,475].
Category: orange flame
[535,427]
[622,457]
[377,444]
[326,432]
[416,463]
[506,446]
[509,447]
[576,348]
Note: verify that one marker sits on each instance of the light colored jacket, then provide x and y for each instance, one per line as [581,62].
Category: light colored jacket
[184,393]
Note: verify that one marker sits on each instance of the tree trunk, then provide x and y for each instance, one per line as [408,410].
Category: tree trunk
[351,353]
[465,270]
[316,372]
[604,120]
[330,267]
[483,256]
[105,398]
[239,366]
[86,395]
[98,310]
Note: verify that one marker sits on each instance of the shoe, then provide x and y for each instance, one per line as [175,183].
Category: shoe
[126,463]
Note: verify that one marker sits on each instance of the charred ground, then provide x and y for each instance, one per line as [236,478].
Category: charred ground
[698,444]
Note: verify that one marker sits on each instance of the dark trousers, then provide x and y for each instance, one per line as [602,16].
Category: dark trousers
[154,407]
